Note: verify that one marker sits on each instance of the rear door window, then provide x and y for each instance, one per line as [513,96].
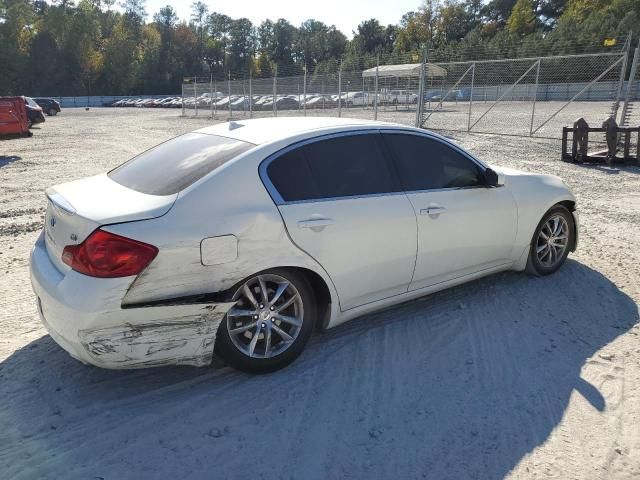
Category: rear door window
[174,165]
[345,166]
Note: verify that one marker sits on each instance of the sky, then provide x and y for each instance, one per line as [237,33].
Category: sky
[344,14]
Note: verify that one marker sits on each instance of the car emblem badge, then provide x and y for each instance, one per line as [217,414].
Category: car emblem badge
[52,222]
[73,237]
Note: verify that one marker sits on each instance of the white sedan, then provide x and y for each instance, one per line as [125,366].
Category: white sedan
[242,238]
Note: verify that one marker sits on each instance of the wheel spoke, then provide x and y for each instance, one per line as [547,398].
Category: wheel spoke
[282,287]
[267,342]
[541,248]
[241,312]
[254,340]
[289,320]
[243,329]
[286,304]
[546,253]
[263,290]
[284,335]
[249,295]
[544,235]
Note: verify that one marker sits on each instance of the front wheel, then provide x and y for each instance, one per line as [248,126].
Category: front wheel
[52,112]
[551,241]
[270,324]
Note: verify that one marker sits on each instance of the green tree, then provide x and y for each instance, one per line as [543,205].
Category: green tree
[522,19]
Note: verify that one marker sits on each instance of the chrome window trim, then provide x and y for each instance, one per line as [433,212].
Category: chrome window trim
[278,200]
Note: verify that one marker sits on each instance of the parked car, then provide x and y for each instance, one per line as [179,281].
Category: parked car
[358,99]
[400,97]
[34,111]
[321,101]
[284,103]
[443,96]
[13,117]
[246,236]
[50,106]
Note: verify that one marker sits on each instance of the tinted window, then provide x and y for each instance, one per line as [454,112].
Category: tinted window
[426,164]
[174,165]
[338,167]
[291,176]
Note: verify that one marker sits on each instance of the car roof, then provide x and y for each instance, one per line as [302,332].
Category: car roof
[263,130]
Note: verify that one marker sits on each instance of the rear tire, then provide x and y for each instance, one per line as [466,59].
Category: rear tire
[52,112]
[260,335]
[552,240]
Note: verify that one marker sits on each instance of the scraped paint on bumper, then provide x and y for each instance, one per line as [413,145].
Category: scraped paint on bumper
[84,316]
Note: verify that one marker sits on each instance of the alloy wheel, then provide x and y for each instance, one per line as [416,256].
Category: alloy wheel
[267,317]
[552,241]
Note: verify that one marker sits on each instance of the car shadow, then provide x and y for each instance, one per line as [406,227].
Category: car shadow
[460,384]
[7,159]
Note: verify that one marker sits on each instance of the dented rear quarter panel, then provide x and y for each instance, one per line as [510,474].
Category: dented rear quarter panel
[230,201]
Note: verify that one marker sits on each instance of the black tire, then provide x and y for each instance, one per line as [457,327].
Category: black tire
[534,264]
[52,112]
[227,350]
[29,123]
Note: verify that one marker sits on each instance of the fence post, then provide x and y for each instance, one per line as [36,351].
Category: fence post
[304,91]
[182,97]
[623,74]
[375,98]
[215,106]
[229,102]
[211,95]
[340,90]
[275,90]
[473,78]
[250,95]
[195,95]
[420,99]
[535,97]
[630,82]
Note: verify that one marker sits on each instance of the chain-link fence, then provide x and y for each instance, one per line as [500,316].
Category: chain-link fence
[533,96]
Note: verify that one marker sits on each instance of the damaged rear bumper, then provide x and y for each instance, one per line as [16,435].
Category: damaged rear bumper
[84,316]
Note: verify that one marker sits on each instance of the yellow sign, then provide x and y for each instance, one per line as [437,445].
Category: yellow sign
[609,42]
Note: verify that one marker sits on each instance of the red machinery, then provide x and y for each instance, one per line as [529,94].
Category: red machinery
[13,117]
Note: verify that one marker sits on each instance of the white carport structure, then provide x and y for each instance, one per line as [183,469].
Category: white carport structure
[405,77]
[404,70]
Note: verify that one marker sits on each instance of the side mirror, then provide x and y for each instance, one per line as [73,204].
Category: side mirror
[492,178]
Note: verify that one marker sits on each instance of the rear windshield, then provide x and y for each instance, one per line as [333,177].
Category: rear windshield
[174,165]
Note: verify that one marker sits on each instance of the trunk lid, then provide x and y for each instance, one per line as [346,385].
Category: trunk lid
[77,208]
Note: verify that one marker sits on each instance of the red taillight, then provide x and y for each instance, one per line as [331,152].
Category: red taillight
[107,255]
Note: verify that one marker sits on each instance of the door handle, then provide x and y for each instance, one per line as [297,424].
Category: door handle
[315,224]
[433,210]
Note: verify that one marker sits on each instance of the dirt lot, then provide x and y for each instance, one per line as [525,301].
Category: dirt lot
[509,376]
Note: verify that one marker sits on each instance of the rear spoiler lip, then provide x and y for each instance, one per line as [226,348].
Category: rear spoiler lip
[60,202]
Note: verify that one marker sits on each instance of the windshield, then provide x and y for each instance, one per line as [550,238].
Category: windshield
[30,101]
[174,165]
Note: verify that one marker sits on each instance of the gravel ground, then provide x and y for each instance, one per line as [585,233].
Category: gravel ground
[508,376]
